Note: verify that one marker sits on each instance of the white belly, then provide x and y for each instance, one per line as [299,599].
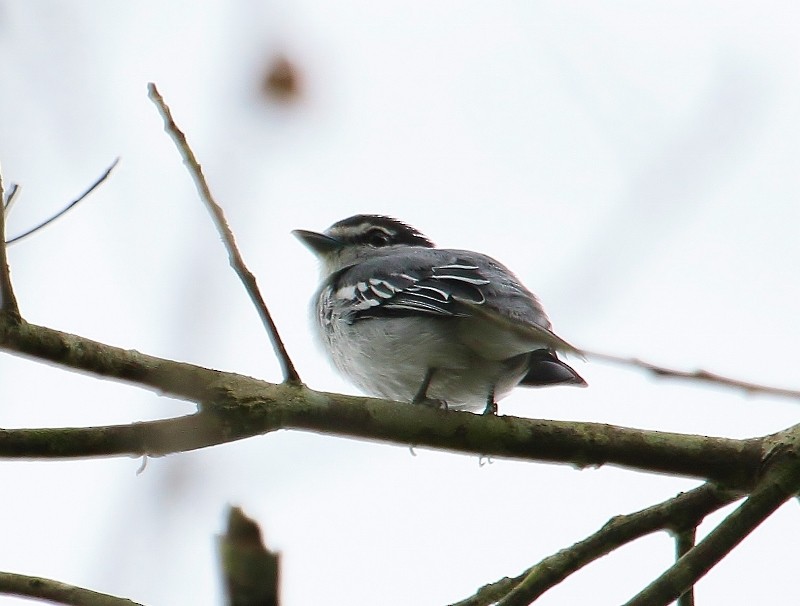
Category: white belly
[390,357]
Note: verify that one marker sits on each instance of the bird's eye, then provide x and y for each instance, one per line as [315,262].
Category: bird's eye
[377,237]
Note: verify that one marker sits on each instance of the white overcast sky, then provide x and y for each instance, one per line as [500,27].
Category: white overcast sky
[635,163]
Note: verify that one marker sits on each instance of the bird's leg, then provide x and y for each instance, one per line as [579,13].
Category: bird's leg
[491,405]
[421,396]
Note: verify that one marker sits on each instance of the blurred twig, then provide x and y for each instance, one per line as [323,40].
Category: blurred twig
[245,275]
[695,375]
[251,572]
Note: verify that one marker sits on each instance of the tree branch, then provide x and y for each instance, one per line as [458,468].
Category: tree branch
[780,482]
[290,374]
[236,407]
[685,509]
[53,591]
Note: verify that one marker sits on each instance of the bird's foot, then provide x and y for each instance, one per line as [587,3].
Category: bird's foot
[431,403]
[491,408]
[421,396]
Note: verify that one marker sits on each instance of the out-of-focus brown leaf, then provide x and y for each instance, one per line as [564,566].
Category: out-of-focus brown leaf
[282,81]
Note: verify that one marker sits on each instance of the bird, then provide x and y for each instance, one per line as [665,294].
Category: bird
[409,322]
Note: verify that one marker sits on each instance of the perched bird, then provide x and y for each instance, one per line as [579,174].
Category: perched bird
[407,321]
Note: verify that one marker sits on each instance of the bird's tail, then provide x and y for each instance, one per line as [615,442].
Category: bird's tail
[545,368]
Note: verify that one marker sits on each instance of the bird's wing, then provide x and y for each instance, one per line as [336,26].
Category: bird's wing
[499,335]
[456,284]
[429,290]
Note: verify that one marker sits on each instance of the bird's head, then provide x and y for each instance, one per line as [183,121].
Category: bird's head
[359,237]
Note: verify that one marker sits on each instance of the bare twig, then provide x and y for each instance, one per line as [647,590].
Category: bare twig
[53,591]
[779,484]
[684,542]
[8,300]
[695,375]
[245,275]
[67,208]
[689,507]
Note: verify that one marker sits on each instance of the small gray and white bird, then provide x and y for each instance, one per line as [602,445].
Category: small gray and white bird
[406,321]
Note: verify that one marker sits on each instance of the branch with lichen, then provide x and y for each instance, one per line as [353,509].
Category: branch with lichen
[234,407]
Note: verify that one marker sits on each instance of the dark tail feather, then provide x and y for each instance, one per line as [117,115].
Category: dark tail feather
[546,369]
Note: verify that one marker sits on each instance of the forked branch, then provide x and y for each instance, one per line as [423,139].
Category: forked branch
[780,483]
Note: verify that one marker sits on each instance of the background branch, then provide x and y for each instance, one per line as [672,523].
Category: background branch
[52,591]
[250,570]
[780,482]
[684,542]
[689,507]
[245,275]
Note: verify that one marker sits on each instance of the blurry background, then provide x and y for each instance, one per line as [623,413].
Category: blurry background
[636,165]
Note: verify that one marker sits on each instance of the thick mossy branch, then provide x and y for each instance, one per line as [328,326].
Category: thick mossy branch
[235,406]
[176,379]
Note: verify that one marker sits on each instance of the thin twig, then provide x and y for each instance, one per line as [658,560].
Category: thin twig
[686,508]
[8,300]
[245,275]
[695,375]
[67,208]
[779,484]
[53,591]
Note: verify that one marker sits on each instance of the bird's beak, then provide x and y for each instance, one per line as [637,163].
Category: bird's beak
[320,244]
